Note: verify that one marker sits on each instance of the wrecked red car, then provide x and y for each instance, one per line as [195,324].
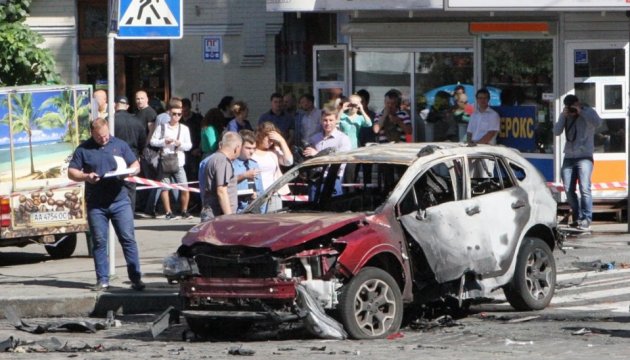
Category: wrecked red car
[415,223]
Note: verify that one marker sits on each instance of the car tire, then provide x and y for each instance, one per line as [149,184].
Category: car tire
[370,305]
[534,281]
[63,249]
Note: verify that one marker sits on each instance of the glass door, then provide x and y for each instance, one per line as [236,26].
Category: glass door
[597,75]
[330,73]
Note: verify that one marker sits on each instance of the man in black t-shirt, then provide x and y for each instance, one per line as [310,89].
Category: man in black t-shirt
[144,112]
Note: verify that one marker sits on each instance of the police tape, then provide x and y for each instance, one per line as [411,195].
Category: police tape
[614,185]
[154,184]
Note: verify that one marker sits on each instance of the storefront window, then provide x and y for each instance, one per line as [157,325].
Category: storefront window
[599,62]
[522,70]
[439,117]
[379,72]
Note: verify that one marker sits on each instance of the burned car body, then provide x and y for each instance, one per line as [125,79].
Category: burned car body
[421,222]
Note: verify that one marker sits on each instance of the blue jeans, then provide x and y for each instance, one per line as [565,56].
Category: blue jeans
[574,172]
[119,212]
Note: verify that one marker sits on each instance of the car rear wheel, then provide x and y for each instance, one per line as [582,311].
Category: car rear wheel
[63,249]
[370,305]
[534,281]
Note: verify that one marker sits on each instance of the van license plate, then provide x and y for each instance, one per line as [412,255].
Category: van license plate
[50,216]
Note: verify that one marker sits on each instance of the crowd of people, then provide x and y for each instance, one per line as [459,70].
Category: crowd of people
[234,161]
[290,131]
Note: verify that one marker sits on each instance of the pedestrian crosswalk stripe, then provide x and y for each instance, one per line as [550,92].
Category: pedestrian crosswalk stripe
[589,274]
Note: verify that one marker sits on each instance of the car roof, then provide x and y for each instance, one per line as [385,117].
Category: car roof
[407,153]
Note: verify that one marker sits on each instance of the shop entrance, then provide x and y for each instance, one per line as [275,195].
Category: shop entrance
[596,73]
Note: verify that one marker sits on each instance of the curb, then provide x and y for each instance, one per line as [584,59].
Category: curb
[97,305]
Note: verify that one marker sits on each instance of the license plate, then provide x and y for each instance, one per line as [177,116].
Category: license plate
[50,216]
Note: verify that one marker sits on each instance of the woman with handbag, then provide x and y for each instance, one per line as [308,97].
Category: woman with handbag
[174,139]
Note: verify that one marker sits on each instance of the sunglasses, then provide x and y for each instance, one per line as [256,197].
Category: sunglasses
[176,114]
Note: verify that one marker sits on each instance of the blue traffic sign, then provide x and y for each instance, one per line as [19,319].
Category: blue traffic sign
[150,19]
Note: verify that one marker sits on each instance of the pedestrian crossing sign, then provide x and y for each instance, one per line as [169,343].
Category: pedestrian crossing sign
[150,19]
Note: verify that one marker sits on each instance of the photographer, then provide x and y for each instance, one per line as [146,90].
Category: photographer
[578,123]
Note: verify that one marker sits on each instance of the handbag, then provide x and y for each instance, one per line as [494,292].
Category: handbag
[169,163]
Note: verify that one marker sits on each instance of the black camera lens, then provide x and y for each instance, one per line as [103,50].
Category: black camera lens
[573,110]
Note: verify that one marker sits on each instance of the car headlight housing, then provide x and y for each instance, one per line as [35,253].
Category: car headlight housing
[175,266]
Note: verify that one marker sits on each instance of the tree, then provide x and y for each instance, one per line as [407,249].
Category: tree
[22,62]
[65,104]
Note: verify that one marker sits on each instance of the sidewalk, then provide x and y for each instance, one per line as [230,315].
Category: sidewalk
[40,287]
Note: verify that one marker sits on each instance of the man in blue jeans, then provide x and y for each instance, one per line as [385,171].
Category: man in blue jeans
[107,199]
[578,122]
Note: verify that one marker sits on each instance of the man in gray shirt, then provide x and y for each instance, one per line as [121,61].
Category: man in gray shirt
[217,182]
[578,123]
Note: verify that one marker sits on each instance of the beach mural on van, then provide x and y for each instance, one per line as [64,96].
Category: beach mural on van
[43,132]
[39,130]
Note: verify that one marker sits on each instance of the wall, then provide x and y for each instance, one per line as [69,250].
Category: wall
[56,22]
[248,68]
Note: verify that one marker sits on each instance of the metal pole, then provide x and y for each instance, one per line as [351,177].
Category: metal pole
[111,240]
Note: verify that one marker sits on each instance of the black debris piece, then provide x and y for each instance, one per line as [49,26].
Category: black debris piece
[169,317]
[11,314]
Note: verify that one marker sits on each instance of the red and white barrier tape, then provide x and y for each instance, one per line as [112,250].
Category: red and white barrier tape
[559,187]
[154,184]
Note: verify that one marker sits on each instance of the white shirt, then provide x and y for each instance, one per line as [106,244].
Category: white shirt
[482,122]
[157,140]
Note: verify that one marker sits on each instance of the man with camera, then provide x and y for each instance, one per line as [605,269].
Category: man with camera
[578,123]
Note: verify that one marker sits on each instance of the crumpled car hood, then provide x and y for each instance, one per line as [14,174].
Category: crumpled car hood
[273,231]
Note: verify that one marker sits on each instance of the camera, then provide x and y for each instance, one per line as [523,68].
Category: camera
[572,110]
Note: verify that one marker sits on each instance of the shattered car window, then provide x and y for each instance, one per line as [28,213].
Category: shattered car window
[336,187]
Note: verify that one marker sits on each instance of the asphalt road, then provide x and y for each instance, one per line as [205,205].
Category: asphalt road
[588,317]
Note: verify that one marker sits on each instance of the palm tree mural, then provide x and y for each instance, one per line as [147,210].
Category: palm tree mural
[65,105]
[26,118]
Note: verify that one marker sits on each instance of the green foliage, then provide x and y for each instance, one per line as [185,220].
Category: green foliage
[22,62]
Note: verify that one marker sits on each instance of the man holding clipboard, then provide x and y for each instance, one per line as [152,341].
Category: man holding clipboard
[95,162]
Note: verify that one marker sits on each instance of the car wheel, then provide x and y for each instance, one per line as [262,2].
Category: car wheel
[534,280]
[370,305]
[64,249]
[217,329]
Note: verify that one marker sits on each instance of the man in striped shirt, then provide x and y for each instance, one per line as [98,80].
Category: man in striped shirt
[392,124]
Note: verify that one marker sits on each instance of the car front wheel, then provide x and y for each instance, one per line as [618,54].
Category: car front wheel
[534,280]
[370,305]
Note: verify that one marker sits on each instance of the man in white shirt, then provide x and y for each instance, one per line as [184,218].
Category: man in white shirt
[484,122]
[329,137]
[174,139]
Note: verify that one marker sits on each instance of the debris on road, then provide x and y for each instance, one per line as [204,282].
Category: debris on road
[517,342]
[596,265]
[239,350]
[52,344]
[582,331]
[11,314]
[169,317]
[523,319]
[426,325]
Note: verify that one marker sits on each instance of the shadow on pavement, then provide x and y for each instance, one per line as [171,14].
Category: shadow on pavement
[20,258]
[54,283]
